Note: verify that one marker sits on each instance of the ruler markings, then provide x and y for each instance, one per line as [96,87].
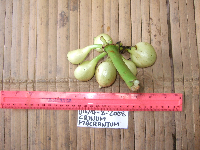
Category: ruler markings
[91,101]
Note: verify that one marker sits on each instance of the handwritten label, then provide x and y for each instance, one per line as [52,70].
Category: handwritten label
[103,119]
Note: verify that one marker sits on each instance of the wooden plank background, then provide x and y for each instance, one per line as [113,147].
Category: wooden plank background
[35,36]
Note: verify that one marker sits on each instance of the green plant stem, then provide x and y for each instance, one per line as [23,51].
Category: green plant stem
[129,78]
[131,49]
[90,47]
[97,58]
[103,40]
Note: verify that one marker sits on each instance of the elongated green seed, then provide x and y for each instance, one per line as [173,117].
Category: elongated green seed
[129,78]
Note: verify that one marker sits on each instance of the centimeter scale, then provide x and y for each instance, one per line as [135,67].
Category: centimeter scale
[91,101]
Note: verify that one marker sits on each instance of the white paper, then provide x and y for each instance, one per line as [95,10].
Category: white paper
[103,119]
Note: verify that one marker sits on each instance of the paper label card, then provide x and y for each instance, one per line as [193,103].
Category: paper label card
[103,119]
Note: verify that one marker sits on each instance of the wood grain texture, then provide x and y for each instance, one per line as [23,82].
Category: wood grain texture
[63,44]
[193,121]
[157,70]
[52,67]
[35,36]
[169,117]
[74,32]
[181,140]
[196,80]
[7,71]
[42,69]
[2,42]
[32,144]
[189,143]
[23,71]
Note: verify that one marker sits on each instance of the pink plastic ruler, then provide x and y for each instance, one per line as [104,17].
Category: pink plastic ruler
[91,101]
